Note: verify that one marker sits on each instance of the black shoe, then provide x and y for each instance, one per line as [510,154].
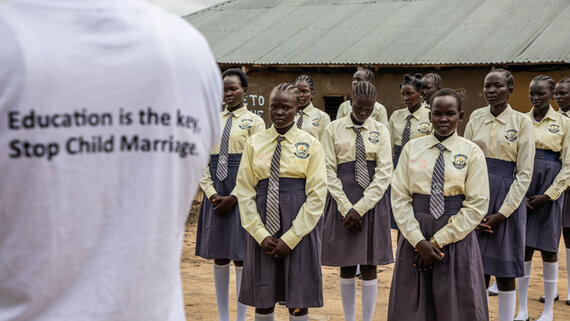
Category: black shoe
[555,299]
[567,302]
[527,319]
[491,293]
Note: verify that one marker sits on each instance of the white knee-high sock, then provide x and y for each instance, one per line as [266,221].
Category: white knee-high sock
[369,292]
[241,308]
[568,273]
[493,288]
[550,271]
[507,303]
[522,286]
[264,317]
[348,298]
[299,317]
[222,284]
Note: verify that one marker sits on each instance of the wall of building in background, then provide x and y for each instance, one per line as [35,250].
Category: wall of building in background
[333,85]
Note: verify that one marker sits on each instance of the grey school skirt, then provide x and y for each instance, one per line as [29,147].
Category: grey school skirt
[221,236]
[543,223]
[296,279]
[503,251]
[454,289]
[346,246]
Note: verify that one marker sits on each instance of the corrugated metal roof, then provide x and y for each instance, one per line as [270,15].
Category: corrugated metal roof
[397,32]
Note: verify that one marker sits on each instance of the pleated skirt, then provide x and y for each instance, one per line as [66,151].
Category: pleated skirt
[344,246]
[295,279]
[543,223]
[503,251]
[454,289]
[220,235]
[566,210]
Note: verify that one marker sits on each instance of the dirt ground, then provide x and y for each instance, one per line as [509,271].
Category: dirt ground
[200,298]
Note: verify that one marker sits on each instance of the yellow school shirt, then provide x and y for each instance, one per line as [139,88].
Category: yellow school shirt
[565,113]
[301,157]
[339,143]
[425,105]
[379,114]
[244,124]
[314,120]
[420,124]
[552,133]
[508,137]
[465,173]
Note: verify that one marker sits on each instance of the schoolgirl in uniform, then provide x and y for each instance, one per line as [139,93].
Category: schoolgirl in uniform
[432,83]
[440,193]
[507,140]
[544,205]
[379,114]
[562,97]
[220,235]
[410,122]
[356,227]
[281,188]
[308,118]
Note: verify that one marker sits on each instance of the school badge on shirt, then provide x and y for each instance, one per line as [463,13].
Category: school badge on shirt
[511,135]
[553,128]
[374,137]
[460,161]
[302,150]
[424,127]
[316,122]
[245,123]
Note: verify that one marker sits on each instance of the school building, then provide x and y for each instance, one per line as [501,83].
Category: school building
[276,41]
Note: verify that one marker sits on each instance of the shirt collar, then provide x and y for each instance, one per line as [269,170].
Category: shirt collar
[289,135]
[350,124]
[309,108]
[503,117]
[418,113]
[237,113]
[449,142]
[550,114]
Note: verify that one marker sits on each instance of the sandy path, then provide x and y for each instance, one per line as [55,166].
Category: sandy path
[200,299]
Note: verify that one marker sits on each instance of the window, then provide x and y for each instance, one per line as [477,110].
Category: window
[332,103]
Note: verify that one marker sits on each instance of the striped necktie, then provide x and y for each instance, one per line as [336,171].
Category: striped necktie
[272,217]
[300,120]
[222,168]
[360,167]
[436,201]
[406,133]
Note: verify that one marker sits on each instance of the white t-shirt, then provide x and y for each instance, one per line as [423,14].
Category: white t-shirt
[108,111]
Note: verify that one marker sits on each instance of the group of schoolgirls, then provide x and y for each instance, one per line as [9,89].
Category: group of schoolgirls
[466,207]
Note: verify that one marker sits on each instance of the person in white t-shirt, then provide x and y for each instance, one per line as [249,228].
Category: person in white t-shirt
[108,111]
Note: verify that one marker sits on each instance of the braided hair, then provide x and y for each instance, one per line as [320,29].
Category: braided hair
[368,73]
[287,88]
[564,80]
[365,89]
[547,79]
[306,79]
[435,77]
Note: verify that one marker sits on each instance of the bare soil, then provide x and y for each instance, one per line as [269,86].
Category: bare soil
[200,298]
